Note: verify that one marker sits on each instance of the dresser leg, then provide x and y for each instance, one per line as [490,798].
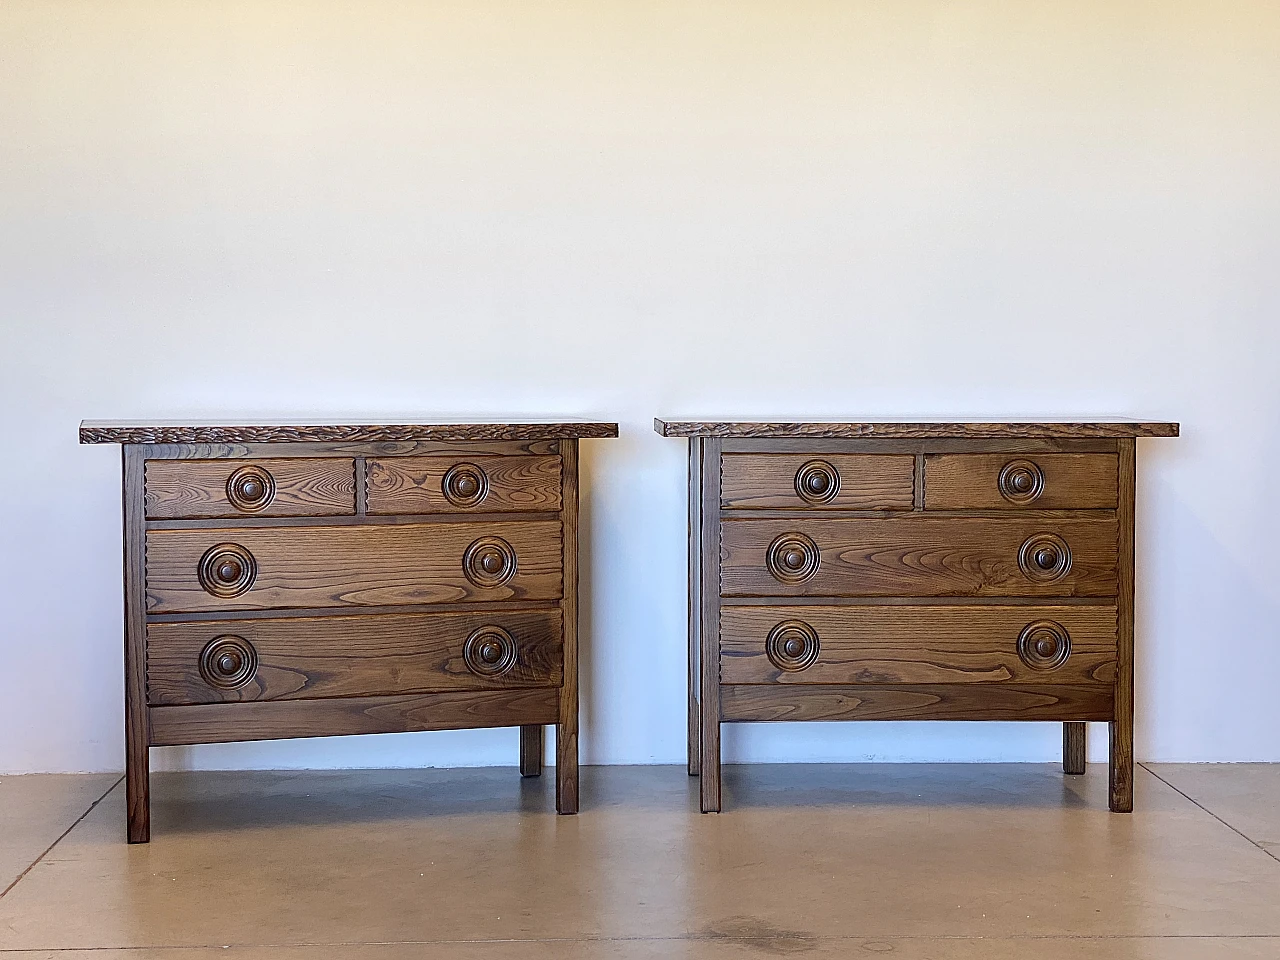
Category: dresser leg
[531,750]
[137,788]
[1073,747]
[709,784]
[1121,765]
[566,768]
[695,736]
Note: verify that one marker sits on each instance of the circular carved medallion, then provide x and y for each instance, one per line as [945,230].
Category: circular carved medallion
[792,645]
[817,482]
[1044,645]
[1045,557]
[227,570]
[489,652]
[793,558]
[1021,481]
[251,488]
[228,662]
[489,562]
[465,485]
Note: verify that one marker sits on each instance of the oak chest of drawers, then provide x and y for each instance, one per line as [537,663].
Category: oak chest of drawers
[912,571]
[317,580]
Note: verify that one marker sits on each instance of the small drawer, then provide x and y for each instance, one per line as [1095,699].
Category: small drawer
[835,481]
[461,484]
[196,489]
[352,566]
[918,644]
[352,656]
[1018,481]
[919,556]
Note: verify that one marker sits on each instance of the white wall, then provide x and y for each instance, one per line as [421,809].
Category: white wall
[627,208]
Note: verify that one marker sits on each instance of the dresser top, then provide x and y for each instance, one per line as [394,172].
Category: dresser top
[919,429]
[347,431]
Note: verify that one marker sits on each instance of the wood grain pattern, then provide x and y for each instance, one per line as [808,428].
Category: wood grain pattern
[1074,747]
[1073,481]
[918,645]
[709,792]
[351,656]
[137,731]
[182,489]
[353,565]
[531,749]
[693,728]
[333,448]
[567,710]
[778,702]
[164,431]
[285,719]
[768,481]
[917,555]
[914,429]
[416,484]
[1120,764]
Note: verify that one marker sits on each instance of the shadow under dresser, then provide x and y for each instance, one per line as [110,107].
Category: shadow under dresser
[304,580]
[912,571]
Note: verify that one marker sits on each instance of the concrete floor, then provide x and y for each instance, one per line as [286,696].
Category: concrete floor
[945,862]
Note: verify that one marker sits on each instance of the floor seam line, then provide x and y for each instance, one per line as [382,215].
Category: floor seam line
[1209,812]
[62,836]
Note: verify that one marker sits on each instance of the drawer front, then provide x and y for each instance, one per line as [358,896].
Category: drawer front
[359,565]
[196,489]
[919,556]
[1016,481]
[918,644]
[832,481]
[352,656]
[461,484]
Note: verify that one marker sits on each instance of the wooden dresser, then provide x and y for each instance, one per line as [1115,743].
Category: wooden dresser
[912,571]
[303,580]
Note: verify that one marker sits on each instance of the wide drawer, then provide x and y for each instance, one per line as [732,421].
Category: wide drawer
[918,556]
[196,489]
[918,644]
[358,565]
[348,656]
[836,481]
[1016,481]
[459,484]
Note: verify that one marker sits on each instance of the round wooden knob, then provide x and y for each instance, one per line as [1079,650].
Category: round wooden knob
[793,558]
[251,488]
[817,482]
[489,562]
[1045,557]
[489,652]
[792,645]
[228,662]
[1021,481]
[465,485]
[1044,645]
[227,570]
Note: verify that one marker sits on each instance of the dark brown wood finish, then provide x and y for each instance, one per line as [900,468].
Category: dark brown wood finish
[473,484]
[137,727]
[1074,747]
[912,645]
[1015,481]
[165,431]
[1120,765]
[311,657]
[267,597]
[915,430]
[709,628]
[345,566]
[194,489]
[346,716]
[998,585]
[567,723]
